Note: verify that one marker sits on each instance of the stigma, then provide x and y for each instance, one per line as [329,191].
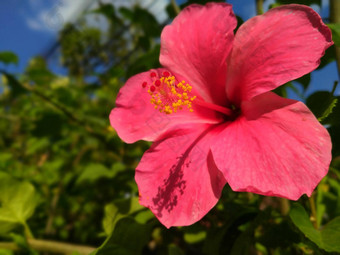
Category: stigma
[167,94]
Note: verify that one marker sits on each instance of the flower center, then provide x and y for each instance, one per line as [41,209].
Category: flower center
[168,95]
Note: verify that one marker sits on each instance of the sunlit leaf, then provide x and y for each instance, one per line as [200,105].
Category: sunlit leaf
[335,33]
[17,202]
[93,172]
[123,208]
[327,238]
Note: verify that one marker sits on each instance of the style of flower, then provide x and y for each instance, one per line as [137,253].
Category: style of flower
[211,114]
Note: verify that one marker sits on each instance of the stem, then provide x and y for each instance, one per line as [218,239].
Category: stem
[52,210]
[313,211]
[284,206]
[335,18]
[51,247]
[259,7]
[28,232]
[334,88]
[175,6]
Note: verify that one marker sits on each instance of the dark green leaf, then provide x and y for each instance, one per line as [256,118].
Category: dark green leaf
[278,235]
[328,57]
[304,2]
[8,57]
[128,238]
[50,124]
[127,13]
[16,87]
[147,22]
[174,250]
[304,81]
[321,103]
[145,62]
[334,131]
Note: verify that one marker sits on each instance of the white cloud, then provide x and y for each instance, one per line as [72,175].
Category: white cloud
[53,18]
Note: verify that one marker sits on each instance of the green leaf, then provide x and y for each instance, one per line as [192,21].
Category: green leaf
[195,237]
[128,238]
[335,33]
[8,57]
[6,252]
[94,172]
[327,238]
[38,72]
[17,202]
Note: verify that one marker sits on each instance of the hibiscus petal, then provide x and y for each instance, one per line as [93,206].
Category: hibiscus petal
[177,177]
[272,49]
[135,118]
[277,148]
[196,46]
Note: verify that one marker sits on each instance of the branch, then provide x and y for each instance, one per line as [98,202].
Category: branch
[335,18]
[313,217]
[99,135]
[175,6]
[259,7]
[50,246]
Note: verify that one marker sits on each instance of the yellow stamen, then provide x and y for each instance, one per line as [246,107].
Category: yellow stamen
[168,96]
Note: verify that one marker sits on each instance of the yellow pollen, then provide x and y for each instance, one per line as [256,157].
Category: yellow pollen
[168,96]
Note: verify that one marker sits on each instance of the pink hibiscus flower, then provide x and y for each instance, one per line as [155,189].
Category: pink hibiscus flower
[213,118]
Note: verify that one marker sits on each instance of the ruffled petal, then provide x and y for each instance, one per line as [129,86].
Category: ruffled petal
[196,46]
[272,49]
[177,177]
[277,148]
[135,118]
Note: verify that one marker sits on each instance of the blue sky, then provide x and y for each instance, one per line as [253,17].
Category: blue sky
[30,28]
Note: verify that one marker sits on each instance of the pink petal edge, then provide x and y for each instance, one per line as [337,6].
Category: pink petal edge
[177,177]
[271,49]
[277,148]
[196,46]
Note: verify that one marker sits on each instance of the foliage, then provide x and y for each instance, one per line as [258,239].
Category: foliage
[66,176]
